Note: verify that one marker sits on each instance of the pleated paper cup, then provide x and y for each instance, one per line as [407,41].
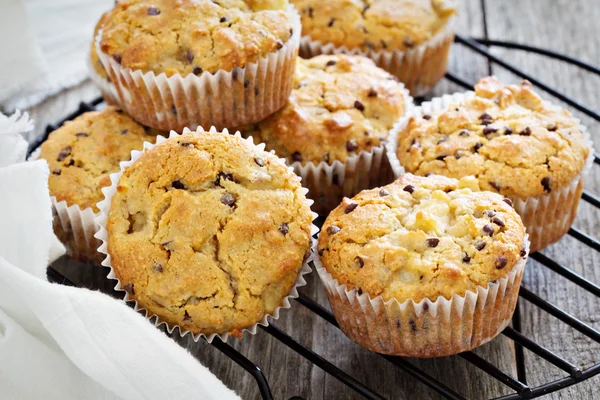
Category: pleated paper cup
[107,89]
[102,236]
[224,99]
[547,217]
[328,183]
[419,68]
[428,328]
[74,227]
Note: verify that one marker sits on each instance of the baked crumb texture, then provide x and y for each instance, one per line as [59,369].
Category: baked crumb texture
[424,267]
[410,39]
[208,232]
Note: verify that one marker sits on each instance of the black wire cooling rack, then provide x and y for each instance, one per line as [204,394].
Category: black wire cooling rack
[573,374]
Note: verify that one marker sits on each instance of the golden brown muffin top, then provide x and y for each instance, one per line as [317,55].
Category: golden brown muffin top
[421,237]
[506,135]
[340,105]
[208,232]
[374,24]
[83,153]
[192,36]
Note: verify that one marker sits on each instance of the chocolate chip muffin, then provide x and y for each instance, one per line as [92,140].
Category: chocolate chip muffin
[514,143]
[169,40]
[208,232]
[411,39]
[81,155]
[341,110]
[412,248]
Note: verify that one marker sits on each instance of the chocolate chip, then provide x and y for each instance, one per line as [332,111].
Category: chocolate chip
[223,176]
[279,44]
[425,306]
[477,147]
[359,106]
[489,213]
[174,109]
[523,252]
[124,131]
[223,19]
[332,229]
[228,199]
[415,143]
[409,188]
[372,93]
[72,162]
[413,325]
[350,207]
[442,140]
[153,11]
[433,242]
[441,157]
[428,174]
[310,12]
[485,118]
[501,262]
[259,161]
[197,71]
[351,145]
[296,156]
[56,171]
[488,130]
[129,288]
[466,258]
[186,316]
[359,261]
[331,63]
[507,201]
[480,245]
[508,131]
[326,157]
[553,128]
[157,267]
[117,58]
[82,134]
[487,228]
[495,185]
[283,228]
[64,153]
[178,185]
[408,43]
[464,133]
[359,291]
[546,184]
[384,193]
[185,144]
[321,251]
[427,117]
[525,132]
[190,56]
[330,23]
[498,221]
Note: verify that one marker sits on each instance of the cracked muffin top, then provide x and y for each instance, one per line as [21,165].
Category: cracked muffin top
[422,237]
[374,24]
[515,143]
[209,232]
[85,151]
[192,36]
[340,105]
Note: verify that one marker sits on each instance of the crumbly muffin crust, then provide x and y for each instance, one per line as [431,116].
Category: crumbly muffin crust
[421,237]
[374,24]
[85,151]
[193,36]
[507,136]
[340,105]
[208,232]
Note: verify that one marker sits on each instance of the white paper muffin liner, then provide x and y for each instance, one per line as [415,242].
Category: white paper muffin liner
[328,183]
[419,68]
[75,227]
[107,89]
[427,328]
[223,99]
[102,235]
[547,217]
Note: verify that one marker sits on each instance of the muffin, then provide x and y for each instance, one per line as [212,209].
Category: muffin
[333,127]
[189,63]
[512,141]
[410,39]
[97,72]
[81,155]
[423,267]
[207,232]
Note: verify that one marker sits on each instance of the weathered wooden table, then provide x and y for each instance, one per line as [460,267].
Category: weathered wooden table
[567,26]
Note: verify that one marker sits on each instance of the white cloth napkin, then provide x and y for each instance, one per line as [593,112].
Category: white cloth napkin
[44,47]
[59,342]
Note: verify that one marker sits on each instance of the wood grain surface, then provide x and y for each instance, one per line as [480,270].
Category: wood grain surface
[561,25]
